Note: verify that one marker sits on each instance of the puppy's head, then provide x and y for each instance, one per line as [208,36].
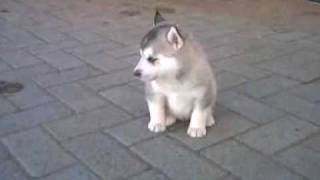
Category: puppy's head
[158,49]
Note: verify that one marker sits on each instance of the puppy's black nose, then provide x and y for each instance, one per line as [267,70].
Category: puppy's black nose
[137,73]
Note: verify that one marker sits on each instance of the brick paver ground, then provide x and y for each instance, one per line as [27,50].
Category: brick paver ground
[82,115]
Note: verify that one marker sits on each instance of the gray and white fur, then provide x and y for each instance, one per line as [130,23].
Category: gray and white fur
[179,82]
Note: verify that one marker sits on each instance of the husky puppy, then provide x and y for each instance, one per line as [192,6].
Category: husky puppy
[179,82]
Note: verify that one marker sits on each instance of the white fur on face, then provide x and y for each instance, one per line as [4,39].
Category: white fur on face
[167,65]
[163,66]
[148,70]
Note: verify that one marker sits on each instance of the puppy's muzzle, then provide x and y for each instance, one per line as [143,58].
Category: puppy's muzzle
[137,73]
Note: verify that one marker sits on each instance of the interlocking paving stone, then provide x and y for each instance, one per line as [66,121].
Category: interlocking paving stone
[77,97]
[255,31]
[105,156]
[4,154]
[49,35]
[222,52]
[227,80]
[150,175]
[230,177]
[46,20]
[3,40]
[257,43]
[241,69]
[20,20]
[105,62]
[216,41]
[87,122]
[266,86]
[132,132]
[3,66]
[313,143]
[220,111]
[302,160]
[85,36]
[124,52]
[175,161]
[30,96]
[289,36]
[6,107]
[249,108]
[309,43]
[51,47]
[131,59]
[309,92]
[128,98]
[138,85]
[77,172]
[209,36]
[26,72]
[11,171]
[19,37]
[292,65]
[295,105]
[216,70]
[264,54]
[126,38]
[109,80]
[95,48]
[247,164]
[37,152]
[277,135]
[61,60]
[316,38]
[61,77]
[111,28]
[237,43]
[19,59]
[227,126]
[32,117]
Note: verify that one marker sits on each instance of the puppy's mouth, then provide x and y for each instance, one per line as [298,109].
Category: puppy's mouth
[144,76]
[147,78]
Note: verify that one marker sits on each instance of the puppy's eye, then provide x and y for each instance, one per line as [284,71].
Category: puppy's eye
[151,59]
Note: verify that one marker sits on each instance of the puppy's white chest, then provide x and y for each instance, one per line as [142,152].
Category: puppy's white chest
[180,104]
[179,100]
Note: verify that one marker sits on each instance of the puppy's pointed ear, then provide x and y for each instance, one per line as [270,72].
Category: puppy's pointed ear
[174,37]
[157,18]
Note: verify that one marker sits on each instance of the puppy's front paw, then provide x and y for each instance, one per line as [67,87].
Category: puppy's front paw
[196,132]
[156,127]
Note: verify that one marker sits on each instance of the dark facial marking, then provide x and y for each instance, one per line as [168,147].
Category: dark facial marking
[153,34]
[152,60]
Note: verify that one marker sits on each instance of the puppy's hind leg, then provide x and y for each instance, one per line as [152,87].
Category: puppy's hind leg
[198,121]
[210,121]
